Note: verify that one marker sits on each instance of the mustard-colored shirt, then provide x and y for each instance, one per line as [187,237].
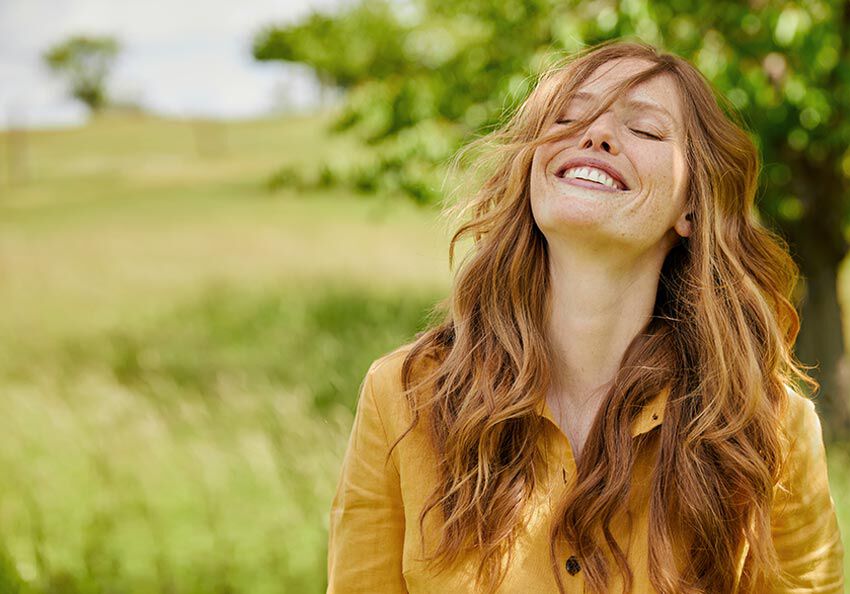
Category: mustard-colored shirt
[374,518]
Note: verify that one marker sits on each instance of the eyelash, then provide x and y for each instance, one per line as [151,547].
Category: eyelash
[652,136]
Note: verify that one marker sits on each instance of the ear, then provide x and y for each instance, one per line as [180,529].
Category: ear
[683,225]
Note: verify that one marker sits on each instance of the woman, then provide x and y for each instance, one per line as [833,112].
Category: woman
[609,401]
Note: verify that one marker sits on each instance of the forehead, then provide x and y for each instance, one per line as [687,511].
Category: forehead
[659,93]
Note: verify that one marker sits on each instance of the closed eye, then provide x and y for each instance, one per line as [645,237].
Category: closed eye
[646,134]
[653,136]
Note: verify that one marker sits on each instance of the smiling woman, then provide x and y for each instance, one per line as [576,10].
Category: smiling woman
[612,401]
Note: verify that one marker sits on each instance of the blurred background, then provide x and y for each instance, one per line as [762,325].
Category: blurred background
[214,218]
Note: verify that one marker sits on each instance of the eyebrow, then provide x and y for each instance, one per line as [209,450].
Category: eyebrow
[651,105]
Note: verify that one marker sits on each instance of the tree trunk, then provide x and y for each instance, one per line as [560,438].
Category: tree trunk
[821,338]
[818,244]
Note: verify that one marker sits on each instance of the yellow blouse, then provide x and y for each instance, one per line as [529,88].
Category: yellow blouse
[374,528]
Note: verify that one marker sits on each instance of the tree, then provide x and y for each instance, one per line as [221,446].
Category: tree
[459,65]
[86,62]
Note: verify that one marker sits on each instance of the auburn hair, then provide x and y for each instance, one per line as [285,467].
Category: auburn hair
[721,336]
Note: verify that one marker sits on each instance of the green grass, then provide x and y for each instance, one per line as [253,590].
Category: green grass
[184,453]
[179,340]
[91,233]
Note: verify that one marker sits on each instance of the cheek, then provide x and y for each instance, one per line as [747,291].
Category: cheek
[667,173]
[540,157]
[535,159]
[680,171]
[539,161]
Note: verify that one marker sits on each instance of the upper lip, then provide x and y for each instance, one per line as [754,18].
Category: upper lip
[591,162]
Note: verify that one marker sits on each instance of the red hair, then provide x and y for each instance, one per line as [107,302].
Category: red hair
[721,337]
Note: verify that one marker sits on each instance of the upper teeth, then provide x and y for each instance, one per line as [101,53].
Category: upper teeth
[592,174]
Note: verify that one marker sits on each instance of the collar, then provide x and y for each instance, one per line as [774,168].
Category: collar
[649,417]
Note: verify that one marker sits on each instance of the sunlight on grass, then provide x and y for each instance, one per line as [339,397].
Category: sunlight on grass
[185,353]
[183,341]
[196,454]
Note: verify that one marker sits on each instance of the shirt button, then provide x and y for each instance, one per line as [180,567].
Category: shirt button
[573,566]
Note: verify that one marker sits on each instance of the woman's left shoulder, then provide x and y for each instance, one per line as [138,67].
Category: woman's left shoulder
[801,419]
[804,522]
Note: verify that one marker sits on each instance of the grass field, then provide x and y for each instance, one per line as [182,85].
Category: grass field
[183,350]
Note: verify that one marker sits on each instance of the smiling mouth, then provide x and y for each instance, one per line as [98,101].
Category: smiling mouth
[596,177]
[585,183]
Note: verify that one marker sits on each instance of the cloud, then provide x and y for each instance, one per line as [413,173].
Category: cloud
[179,58]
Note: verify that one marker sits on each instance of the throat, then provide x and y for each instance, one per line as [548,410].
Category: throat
[574,422]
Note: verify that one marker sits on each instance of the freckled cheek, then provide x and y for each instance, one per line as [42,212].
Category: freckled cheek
[681,173]
[660,174]
[537,178]
[654,183]
[537,160]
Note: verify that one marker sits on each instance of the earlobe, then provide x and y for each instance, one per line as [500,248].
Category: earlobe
[684,227]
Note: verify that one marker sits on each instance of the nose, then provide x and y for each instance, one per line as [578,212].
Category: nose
[601,133]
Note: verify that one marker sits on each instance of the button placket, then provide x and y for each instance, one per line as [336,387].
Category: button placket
[572,565]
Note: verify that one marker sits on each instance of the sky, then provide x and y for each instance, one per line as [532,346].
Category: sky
[184,58]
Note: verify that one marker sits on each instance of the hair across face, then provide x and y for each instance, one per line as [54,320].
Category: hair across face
[720,337]
[640,137]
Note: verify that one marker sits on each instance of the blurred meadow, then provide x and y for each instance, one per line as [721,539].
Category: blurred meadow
[184,348]
[189,304]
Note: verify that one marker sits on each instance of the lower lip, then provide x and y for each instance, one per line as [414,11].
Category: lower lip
[588,184]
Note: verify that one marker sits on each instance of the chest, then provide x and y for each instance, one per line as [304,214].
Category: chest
[530,569]
[574,422]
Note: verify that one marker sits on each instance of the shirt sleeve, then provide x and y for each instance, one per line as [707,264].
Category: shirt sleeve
[804,523]
[366,531]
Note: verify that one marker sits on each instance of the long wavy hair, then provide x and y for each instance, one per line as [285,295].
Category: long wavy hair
[721,337]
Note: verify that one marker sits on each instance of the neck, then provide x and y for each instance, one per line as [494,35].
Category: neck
[597,307]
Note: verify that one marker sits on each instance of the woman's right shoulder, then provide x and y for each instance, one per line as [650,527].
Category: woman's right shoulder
[390,362]
[386,369]
[384,378]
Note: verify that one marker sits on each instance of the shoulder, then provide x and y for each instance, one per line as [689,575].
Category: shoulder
[804,523]
[384,373]
[389,363]
[384,380]
[801,419]
[804,452]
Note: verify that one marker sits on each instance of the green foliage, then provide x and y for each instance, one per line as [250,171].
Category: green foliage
[86,62]
[286,177]
[457,68]
[403,164]
[461,66]
[338,49]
